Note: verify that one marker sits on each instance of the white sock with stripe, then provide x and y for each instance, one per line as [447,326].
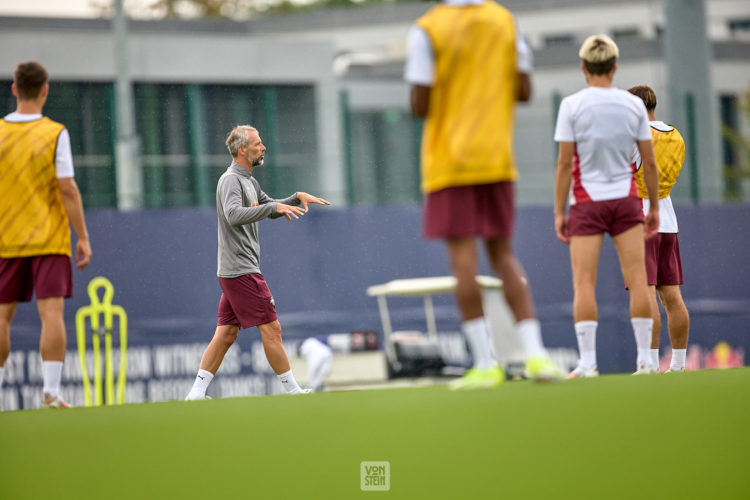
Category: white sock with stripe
[200,385]
[654,356]
[289,383]
[642,331]
[586,337]
[678,359]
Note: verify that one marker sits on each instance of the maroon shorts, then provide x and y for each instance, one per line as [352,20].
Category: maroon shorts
[485,210]
[47,275]
[246,301]
[663,263]
[609,216]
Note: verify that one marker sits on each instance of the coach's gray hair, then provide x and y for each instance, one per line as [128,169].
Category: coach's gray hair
[238,137]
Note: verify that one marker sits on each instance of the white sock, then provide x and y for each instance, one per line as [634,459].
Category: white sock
[200,385]
[654,356]
[2,376]
[530,333]
[678,359]
[478,334]
[52,373]
[642,331]
[586,336]
[290,385]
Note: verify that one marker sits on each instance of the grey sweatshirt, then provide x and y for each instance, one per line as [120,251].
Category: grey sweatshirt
[240,204]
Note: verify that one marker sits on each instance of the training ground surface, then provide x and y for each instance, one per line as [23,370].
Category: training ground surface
[683,435]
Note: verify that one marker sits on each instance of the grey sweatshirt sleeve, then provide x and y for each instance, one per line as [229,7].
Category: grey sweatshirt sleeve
[263,198]
[230,193]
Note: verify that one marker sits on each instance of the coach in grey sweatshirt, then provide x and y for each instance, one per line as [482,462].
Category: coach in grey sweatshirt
[246,300]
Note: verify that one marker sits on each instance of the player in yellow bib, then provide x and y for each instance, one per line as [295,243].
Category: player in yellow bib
[663,262]
[39,199]
[468,65]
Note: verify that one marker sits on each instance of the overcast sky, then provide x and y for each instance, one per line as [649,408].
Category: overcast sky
[47,8]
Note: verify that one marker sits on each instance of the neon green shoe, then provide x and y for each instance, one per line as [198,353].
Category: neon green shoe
[542,369]
[477,378]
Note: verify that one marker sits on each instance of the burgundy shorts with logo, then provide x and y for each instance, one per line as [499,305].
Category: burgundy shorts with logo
[484,210]
[609,216]
[47,275]
[246,301]
[663,262]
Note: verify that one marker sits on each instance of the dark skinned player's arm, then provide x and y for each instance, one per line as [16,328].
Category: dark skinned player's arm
[524,87]
[420,100]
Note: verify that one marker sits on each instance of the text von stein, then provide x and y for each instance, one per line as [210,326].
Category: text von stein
[375,476]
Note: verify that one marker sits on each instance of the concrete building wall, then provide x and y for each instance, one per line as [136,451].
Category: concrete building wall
[361,51]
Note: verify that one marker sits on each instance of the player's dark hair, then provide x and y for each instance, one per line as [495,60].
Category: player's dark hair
[646,94]
[29,78]
[600,68]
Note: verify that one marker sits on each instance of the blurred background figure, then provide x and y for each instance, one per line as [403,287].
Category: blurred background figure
[468,64]
[319,356]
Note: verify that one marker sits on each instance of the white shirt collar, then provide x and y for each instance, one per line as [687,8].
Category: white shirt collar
[463,2]
[661,126]
[20,117]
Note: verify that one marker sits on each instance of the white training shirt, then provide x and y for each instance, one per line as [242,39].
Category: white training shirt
[604,123]
[420,58]
[667,215]
[63,152]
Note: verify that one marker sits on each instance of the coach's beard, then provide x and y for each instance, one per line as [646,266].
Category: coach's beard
[258,161]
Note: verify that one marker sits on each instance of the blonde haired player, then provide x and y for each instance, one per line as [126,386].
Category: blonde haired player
[597,128]
[663,262]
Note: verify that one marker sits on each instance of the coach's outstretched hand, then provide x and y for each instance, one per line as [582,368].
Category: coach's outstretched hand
[289,211]
[306,199]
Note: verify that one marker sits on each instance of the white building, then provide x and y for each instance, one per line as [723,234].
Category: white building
[326,89]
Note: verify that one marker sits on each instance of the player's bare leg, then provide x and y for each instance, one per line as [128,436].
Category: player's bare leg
[485,372]
[517,294]
[463,259]
[631,252]
[52,343]
[7,311]
[223,338]
[270,334]
[678,324]
[656,316]
[52,348]
[584,260]
[656,329]
[515,289]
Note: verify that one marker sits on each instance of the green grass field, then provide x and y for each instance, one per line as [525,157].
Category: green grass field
[661,436]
